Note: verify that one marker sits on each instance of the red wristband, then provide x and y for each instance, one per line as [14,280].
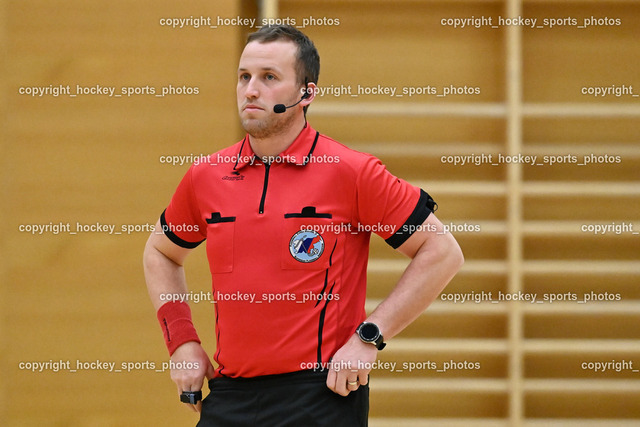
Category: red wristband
[176,324]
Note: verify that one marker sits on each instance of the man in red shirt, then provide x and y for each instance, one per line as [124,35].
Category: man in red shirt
[287,215]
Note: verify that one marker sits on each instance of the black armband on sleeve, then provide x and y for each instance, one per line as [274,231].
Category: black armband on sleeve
[166,229]
[425,206]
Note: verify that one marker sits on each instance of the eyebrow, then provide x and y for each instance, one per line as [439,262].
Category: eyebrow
[262,69]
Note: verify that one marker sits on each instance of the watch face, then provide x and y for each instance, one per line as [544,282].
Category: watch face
[369,332]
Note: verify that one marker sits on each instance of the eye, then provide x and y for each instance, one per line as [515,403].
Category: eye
[244,77]
[270,77]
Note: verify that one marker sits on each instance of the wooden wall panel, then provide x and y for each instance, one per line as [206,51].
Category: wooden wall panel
[97,159]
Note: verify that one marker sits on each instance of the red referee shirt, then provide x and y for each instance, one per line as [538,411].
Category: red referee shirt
[288,244]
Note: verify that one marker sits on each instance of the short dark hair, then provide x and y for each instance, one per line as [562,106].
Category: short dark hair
[307,59]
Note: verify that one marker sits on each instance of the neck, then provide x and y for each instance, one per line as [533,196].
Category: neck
[273,145]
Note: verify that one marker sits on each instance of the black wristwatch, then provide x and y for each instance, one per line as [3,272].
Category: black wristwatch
[370,334]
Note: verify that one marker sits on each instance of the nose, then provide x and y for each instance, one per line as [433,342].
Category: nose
[251,89]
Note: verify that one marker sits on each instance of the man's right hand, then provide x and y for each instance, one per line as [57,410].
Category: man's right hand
[190,366]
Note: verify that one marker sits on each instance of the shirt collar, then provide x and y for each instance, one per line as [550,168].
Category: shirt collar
[298,153]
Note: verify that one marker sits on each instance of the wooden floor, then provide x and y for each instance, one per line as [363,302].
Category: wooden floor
[517,98]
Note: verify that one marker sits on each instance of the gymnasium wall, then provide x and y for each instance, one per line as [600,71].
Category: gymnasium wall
[448,94]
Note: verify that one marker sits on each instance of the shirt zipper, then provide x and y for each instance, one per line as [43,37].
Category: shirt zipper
[264,187]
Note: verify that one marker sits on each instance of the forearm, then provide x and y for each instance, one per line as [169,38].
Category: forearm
[428,273]
[163,276]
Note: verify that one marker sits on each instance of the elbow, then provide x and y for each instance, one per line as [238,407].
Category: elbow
[152,258]
[147,254]
[149,262]
[459,258]
[454,255]
[445,251]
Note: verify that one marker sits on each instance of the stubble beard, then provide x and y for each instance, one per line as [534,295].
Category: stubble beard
[268,127]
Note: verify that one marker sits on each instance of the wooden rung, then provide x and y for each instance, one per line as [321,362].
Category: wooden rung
[404,2]
[593,109]
[581,267]
[532,189]
[437,422]
[573,346]
[408,109]
[413,149]
[409,345]
[592,188]
[565,385]
[464,188]
[499,110]
[582,149]
[573,422]
[446,307]
[448,384]
[552,228]
[438,149]
[379,265]
[588,308]
[546,228]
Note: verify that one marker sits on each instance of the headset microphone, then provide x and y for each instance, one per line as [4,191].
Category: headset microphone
[281,108]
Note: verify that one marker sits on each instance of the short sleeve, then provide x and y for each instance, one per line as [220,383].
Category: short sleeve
[181,220]
[390,206]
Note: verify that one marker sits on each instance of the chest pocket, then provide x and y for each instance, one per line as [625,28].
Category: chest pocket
[220,233]
[309,238]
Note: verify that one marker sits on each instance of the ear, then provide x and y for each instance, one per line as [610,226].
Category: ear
[309,94]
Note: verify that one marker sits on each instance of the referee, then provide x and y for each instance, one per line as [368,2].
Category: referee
[287,215]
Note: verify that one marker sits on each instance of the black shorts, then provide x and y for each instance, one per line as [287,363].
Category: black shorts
[287,400]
